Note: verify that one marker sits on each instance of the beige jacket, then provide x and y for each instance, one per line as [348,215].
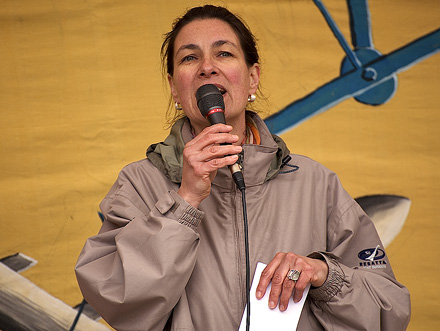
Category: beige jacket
[156,255]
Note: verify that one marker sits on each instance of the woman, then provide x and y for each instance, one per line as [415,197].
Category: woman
[171,246]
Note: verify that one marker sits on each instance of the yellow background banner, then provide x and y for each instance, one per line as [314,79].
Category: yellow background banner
[82,94]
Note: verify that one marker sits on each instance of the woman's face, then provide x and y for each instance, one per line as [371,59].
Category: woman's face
[208,52]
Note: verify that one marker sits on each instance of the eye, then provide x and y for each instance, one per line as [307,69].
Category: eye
[225,54]
[188,58]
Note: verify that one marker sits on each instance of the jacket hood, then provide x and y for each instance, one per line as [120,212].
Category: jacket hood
[167,156]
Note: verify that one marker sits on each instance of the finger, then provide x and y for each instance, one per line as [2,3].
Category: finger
[213,139]
[219,151]
[216,128]
[219,127]
[265,278]
[221,162]
[212,158]
[300,286]
[267,274]
[217,131]
[288,287]
[212,146]
[213,129]
[277,284]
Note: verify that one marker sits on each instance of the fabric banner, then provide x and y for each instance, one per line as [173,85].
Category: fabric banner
[82,94]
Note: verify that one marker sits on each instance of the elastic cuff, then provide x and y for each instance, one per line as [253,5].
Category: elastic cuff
[173,206]
[191,217]
[334,281]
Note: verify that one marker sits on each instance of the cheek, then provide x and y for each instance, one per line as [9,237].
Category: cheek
[181,84]
[180,81]
[236,77]
[240,78]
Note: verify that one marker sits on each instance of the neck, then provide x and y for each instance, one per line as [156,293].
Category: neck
[239,129]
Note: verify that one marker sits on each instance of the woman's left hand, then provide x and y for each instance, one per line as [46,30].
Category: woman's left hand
[312,271]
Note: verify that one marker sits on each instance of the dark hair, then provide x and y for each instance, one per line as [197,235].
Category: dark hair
[247,39]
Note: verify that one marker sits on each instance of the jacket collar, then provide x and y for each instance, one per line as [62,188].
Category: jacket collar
[260,162]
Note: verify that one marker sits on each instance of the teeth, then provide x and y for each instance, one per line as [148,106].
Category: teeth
[222,91]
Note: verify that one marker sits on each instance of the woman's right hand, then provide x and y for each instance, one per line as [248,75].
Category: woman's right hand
[202,156]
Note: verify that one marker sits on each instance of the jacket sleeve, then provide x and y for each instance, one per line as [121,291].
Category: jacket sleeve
[136,269]
[361,292]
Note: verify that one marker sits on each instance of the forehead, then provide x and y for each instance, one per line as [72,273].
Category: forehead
[205,31]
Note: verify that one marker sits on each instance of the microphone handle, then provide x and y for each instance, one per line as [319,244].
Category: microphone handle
[215,116]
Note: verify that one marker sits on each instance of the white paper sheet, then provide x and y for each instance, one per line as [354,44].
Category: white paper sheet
[264,318]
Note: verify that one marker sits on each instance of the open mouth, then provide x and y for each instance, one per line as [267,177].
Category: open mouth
[222,90]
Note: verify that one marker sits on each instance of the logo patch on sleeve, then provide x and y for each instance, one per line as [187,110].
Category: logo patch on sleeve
[372,258]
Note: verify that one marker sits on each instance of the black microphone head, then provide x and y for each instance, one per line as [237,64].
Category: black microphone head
[211,104]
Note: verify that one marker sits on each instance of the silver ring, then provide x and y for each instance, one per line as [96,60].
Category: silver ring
[293,275]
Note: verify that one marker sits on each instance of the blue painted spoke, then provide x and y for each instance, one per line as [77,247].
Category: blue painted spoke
[360,23]
[331,23]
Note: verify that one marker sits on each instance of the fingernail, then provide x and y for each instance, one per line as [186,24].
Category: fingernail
[282,308]
[272,305]
[258,295]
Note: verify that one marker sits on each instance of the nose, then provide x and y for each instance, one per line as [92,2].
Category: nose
[208,68]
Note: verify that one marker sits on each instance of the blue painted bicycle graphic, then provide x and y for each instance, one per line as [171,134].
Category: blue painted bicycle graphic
[366,74]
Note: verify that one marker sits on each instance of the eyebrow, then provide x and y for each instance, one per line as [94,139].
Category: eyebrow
[219,43]
[215,44]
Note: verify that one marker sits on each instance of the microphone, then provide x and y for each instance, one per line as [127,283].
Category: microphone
[212,106]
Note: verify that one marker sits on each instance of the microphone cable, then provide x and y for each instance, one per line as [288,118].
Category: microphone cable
[246,248]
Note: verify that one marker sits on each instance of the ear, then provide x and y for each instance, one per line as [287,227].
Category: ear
[173,88]
[254,75]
